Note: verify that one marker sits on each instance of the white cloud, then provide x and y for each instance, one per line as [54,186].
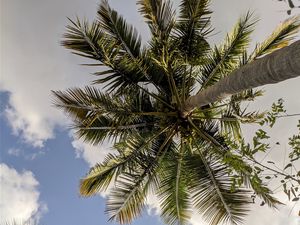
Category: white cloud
[153,207]
[30,125]
[19,198]
[91,154]
[285,215]
[27,155]
[14,151]
[31,68]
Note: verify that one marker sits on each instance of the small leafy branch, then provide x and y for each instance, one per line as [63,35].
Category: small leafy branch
[271,116]
[257,173]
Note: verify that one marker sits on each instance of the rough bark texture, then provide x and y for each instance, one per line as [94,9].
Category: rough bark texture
[278,66]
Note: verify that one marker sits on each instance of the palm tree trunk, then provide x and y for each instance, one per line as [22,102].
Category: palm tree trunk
[278,66]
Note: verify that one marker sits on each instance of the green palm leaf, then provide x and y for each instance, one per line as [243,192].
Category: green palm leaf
[192,26]
[117,28]
[97,116]
[160,17]
[173,190]
[236,164]
[224,59]
[90,41]
[130,153]
[281,37]
[85,40]
[212,195]
[126,200]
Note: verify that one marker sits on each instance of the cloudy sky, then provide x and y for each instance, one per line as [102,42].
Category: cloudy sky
[40,162]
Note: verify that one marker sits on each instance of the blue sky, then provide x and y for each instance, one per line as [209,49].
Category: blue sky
[41,162]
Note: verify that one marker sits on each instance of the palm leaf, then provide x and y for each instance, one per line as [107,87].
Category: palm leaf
[263,192]
[101,175]
[172,191]
[237,165]
[230,126]
[117,28]
[280,38]
[193,24]
[85,40]
[97,116]
[126,200]
[224,59]
[91,41]
[160,18]
[131,152]
[212,194]
[159,15]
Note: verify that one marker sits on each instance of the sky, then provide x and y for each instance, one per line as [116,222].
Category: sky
[41,162]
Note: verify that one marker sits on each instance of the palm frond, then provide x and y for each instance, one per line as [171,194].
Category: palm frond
[232,116]
[159,15]
[263,192]
[225,58]
[92,42]
[211,190]
[101,175]
[124,74]
[173,190]
[86,40]
[117,28]
[160,18]
[127,199]
[193,24]
[280,38]
[236,165]
[209,134]
[230,122]
[97,116]
[230,126]
[131,153]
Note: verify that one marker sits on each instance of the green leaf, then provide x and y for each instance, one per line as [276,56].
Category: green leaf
[287,166]
[210,178]
[281,37]
[193,25]
[173,190]
[160,17]
[263,191]
[117,28]
[224,59]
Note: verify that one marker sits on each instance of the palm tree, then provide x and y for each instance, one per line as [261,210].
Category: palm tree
[163,144]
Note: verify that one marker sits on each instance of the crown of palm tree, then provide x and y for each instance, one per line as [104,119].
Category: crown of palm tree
[185,161]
